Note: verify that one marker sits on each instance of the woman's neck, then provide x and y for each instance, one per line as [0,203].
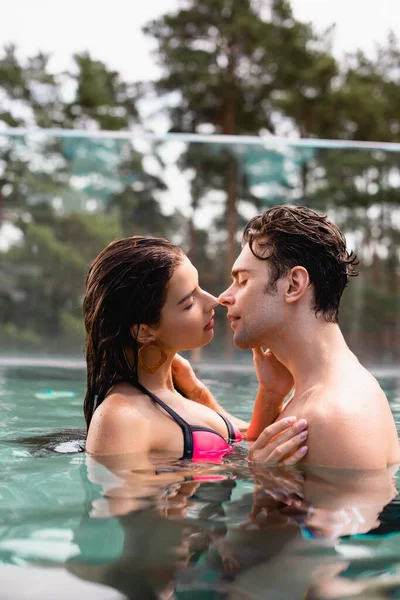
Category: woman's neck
[161,379]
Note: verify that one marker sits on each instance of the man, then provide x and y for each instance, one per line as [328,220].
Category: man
[285,295]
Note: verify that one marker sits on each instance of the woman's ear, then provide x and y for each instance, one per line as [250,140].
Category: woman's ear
[298,281]
[143,333]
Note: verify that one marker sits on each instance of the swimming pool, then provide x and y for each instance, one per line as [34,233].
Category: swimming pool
[315,532]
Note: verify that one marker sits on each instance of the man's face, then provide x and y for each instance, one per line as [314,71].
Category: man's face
[256,312]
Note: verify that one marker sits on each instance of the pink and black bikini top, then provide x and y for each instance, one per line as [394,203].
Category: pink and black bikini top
[199,443]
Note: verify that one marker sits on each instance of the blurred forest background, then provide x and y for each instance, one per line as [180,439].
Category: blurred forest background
[231,67]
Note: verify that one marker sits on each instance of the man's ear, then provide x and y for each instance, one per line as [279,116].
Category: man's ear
[298,281]
[143,333]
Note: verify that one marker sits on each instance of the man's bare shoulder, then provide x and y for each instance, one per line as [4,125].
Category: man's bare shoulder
[345,396]
[350,424]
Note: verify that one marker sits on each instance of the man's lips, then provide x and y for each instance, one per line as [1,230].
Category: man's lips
[234,319]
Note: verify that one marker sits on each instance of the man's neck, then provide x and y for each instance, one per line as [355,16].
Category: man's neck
[312,352]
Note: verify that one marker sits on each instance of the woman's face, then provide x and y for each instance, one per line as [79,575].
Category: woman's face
[187,315]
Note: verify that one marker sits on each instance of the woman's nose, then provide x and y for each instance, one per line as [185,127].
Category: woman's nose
[211,301]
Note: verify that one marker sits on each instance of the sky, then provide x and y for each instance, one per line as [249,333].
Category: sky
[111,30]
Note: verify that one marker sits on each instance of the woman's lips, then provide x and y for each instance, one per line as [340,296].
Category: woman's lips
[209,325]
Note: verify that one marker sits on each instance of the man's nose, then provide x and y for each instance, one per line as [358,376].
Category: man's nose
[225,298]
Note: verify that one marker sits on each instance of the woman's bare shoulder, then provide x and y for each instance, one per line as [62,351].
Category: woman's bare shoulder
[118,426]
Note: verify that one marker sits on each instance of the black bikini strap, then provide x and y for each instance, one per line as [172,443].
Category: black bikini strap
[229,426]
[186,429]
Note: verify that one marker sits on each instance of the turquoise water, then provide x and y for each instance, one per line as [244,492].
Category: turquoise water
[235,533]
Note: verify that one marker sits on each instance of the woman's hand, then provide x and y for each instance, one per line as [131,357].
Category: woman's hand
[280,443]
[273,377]
[275,383]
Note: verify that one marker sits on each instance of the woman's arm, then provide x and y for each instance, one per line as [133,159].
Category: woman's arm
[202,395]
[187,382]
[275,383]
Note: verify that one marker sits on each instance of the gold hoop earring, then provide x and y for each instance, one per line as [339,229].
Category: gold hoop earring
[152,368]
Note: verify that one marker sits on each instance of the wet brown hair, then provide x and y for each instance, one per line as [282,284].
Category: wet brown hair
[289,236]
[125,286]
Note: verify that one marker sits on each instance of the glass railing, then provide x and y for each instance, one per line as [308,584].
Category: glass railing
[65,195]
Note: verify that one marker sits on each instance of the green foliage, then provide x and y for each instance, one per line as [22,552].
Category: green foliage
[228,67]
[68,196]
[14,338]
[50,266]
[103,98]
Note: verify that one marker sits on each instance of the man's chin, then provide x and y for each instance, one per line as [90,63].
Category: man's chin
[241,344]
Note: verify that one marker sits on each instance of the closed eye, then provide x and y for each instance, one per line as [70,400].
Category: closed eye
[190,306]
[243,282]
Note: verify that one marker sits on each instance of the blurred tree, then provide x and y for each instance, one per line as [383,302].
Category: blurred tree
[362,189]
[228,67]
[28,96]
[103,99]
[56,189]
[225,65]
[49,272]
[111,170]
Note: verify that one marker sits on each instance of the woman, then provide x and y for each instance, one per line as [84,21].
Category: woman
[142,306]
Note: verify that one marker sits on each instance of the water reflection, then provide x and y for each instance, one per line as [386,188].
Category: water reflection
[229,531]
[221,531]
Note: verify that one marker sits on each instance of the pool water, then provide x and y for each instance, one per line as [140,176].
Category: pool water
[71,527]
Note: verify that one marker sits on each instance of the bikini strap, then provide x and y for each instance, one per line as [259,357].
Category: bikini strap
[229,426]
[186,429]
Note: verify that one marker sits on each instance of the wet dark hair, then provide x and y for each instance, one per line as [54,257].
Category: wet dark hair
[125,286]
[289,236]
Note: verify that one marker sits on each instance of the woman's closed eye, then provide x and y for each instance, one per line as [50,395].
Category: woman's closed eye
[190,306]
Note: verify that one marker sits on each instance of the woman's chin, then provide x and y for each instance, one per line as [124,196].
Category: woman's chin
[209,337]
